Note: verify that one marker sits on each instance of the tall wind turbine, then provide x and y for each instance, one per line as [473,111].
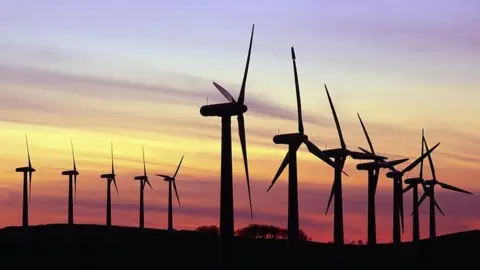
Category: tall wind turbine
[294,140]
[373,169]
[110,179]
[72,176]
[397,177]
[226,111]
[143,180]
[27,185]
[171,180]
[339,156]
[431,192]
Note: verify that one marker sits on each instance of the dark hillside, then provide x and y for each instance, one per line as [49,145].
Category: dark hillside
[94,246]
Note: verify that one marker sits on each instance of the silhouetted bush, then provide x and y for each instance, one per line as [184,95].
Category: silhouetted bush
[209,229]
[268,232]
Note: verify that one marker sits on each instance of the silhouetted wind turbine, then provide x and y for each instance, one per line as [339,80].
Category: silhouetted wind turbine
[143,180]
[170,180]
[339,156]
[294,140]
[110,178]
[431,192]
[397,176]
[373,169]
[72,175]
[27,185]
[226,111]
[412,183]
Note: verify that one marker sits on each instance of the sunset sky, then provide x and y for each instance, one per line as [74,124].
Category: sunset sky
[137,72]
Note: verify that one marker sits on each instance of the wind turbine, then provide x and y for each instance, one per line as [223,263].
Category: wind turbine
[431,192]
[339,156]
[412,183]
[226,111]
[27,185]
[373,169]
[143,180]
[397,177]
[294,140]
[72,175]
[110,178]
[171,180]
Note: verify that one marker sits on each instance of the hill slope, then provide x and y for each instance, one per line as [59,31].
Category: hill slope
[94,246]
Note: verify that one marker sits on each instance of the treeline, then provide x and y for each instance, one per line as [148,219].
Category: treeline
[257,231]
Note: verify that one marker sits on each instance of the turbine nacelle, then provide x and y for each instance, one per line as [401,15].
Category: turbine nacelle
[290,138]
[343,152]
[25,169]
[368,166]
[430,182]
[223,109]
[107,175]
[71,172]
[141,177]
[413,181]
[394,174]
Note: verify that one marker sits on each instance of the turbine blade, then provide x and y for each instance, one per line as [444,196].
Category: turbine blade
[148,183]
[335,117]
[422,199]
[392,163]
[241,96]
[417,161]
[224,92]
[176,192]
[438,207]
[282,167]
[330,198]
[366,134]
[312,148]
[450,187]
[178,167]
[421,162]
[346,174]
[163,175]
[243,142]
[430,161]
[297,91]
[375,182]
[115,184]
[73,157]
[407,188]
[364,150]
[111,148]
[144,166]
[28,152]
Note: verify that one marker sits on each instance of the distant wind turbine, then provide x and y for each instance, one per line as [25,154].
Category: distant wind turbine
[27,185]
[431,192]
[373,169]
[397,177]
[72,175]
[171,180]
[110,179]
[143,180]
[339,156]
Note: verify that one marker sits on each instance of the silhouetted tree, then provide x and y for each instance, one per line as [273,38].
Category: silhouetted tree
[210,229]
[267,232]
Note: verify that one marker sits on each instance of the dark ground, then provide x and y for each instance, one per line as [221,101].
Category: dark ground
[96,246]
